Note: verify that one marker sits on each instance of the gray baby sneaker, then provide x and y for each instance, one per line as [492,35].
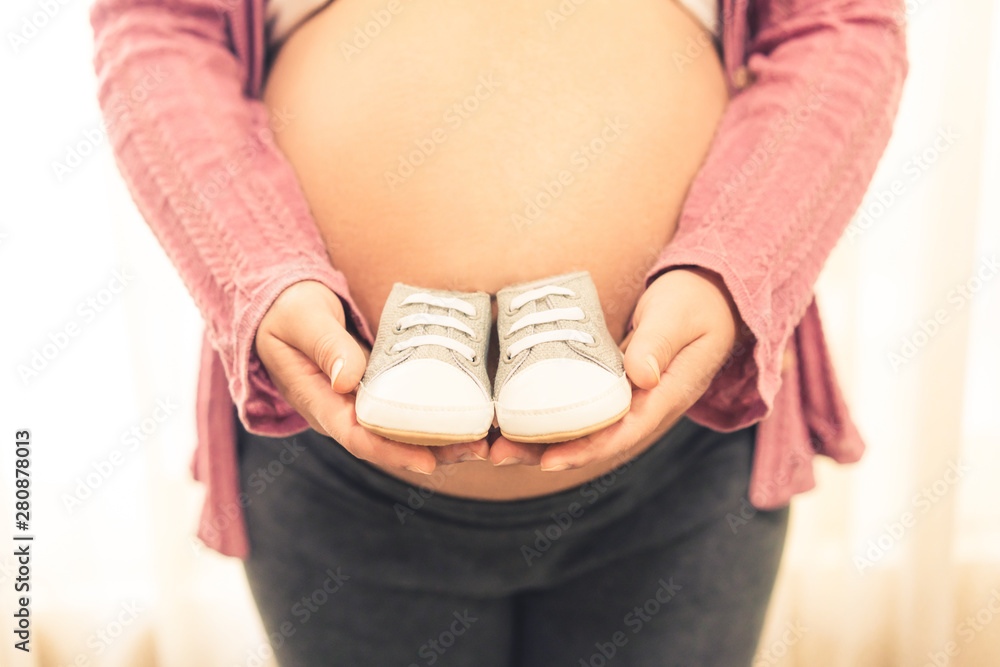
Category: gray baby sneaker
[426,380]
[560,375]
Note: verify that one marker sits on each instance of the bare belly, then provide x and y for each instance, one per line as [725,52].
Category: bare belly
[473,145]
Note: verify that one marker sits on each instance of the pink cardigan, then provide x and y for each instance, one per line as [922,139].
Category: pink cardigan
[816,85]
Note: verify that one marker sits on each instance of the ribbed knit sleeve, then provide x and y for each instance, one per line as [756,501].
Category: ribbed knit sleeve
[199,159]
[790,163]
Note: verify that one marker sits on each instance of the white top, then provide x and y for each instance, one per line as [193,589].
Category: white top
[283,16]
[706,11]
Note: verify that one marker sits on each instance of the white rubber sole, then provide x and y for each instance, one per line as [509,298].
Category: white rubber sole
[569,421]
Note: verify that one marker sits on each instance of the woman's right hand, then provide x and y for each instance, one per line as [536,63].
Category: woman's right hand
[316,365]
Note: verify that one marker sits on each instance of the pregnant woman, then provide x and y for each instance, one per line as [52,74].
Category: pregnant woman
[296,158]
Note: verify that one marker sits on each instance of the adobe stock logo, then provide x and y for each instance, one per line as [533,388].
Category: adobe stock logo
[635,620]
[33,23]
[432,650]
[549,192]
[957,298]
[363,36]
[877,203]
[967,630]
[452,119]
[86,312]
[102,470]
[922,502]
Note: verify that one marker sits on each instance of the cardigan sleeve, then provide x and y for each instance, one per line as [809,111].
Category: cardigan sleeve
[199,159]
[790,163]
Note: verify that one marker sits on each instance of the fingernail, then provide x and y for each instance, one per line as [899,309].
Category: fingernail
[557,467]
[338,366]
[471,456]
[654,364]
[509,461]
[416,469]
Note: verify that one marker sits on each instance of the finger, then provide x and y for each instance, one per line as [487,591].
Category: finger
[330,413]
[652,410]
[506,452]
[368,446]
[289,370]
[691,373]
[462,452]
[625,341]
[656,340]
[336,413]
[320,336]
[615,440]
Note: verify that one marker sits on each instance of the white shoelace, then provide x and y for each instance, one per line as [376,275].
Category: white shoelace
[419,319]
[545,317]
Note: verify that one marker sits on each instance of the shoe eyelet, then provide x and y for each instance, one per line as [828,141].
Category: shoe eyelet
[474,360]
[507,357]
[398,328]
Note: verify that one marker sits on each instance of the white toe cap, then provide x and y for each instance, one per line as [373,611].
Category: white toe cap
[560,396]
[555,383]
[425,396]
[428,383]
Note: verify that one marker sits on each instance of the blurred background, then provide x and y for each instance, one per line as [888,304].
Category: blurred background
[892,561]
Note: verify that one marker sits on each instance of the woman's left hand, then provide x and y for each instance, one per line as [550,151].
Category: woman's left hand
[685,326]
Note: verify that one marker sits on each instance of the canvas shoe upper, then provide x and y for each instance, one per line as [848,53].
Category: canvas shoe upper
[426,380]
[560,374]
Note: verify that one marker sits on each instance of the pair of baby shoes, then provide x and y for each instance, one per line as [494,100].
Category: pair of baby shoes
[560,375]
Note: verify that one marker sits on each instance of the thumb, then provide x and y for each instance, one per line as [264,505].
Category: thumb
[315,327]
[656,340]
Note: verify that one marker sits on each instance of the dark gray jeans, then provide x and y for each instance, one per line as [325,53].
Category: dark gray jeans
[650,564]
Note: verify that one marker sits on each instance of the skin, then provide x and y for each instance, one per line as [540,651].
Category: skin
[685,323]
[449,225]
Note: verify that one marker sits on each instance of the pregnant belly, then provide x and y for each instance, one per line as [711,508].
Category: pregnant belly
[473,145]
